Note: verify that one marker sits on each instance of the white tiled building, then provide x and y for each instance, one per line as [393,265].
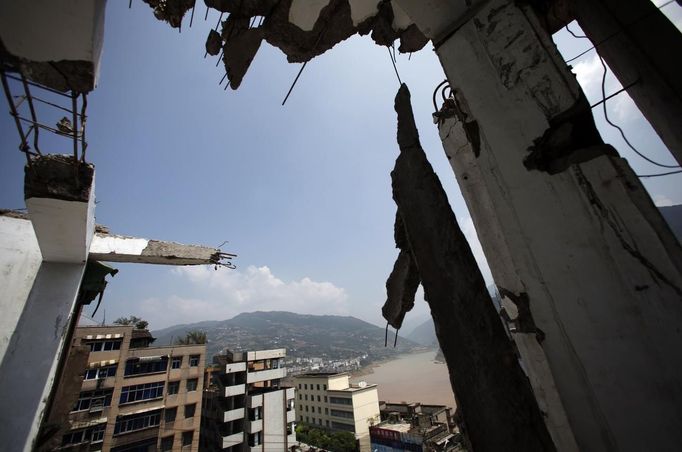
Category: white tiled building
[328,400]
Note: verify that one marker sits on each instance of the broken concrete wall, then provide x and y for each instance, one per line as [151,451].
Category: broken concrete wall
[495,398]
[585,245]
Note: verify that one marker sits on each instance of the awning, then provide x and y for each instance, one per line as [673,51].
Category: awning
[91,337]
[96,364]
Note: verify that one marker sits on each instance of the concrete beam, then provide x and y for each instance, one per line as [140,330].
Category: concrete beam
[27,40]
[61,205]
[117,248]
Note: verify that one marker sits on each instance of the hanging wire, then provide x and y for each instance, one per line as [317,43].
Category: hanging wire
[606,116]
[395,68]
[660,174]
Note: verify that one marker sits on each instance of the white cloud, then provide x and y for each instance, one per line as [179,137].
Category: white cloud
[223,293]
[662,201]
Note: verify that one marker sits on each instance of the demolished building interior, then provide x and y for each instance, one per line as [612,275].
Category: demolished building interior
[561,217]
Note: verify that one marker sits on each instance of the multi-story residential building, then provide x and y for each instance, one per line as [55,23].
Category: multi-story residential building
[410,411]
[246,407]
[330,401]
[134,397]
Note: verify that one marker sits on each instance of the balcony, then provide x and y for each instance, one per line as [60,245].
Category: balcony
[291,416]
[291,393]
[233,440]
[235,390]
[255,401]
[254,426]
[265,375]
[235,367]
[233,415]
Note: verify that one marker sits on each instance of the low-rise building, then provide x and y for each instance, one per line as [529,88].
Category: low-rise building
[330,401]
[246,407]
[133,396]
[414,427]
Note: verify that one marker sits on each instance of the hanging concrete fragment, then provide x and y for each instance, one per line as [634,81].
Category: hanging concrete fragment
[213,43]
[299,28]
[238,54]
[494,395]
[403,281]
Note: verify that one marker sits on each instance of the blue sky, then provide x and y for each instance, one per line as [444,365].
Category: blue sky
[301,192]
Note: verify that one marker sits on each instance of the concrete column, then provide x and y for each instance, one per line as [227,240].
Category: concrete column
[642,47]
[60,199]
[567,228]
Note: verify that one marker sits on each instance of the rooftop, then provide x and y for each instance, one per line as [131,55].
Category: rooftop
[321,374]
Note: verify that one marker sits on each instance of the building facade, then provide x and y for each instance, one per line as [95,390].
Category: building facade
[246,406]
[134,397]
[330,401]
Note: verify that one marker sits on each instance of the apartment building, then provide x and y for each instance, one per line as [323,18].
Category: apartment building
[246,406]
[330,401]
[133,397]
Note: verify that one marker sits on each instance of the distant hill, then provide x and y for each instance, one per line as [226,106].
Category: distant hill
[424,334]
[327,336]
[673,215]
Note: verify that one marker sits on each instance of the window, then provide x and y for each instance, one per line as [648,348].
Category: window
[300,418]
[104,346]
[101,372]
[147,391]
[307,420]
[254,439]
[326,423]
[170,414]
[173,387]
[167,444]
[300,397]
[125,424]
[341,413]
[190,409]
[93,400]
[194,361]
[342,426]
[318,398]
[324,387]
[341,400]
[306,396]
[144,365]
[93,434]
[326,411]
[319,421]
[300,408]
[306,408]
[290,428]
[192,384]
[305,386]
[318,387]
[176,363]
[299,386]
[255,413]
[325,399]
[187,438]
[319,410]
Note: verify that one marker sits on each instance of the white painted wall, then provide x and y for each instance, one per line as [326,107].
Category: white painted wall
[19,263]
[274,431]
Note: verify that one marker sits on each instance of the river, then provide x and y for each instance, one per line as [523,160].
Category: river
[412,377]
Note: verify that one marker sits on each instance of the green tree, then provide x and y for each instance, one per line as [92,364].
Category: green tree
[192,337]
[140,324]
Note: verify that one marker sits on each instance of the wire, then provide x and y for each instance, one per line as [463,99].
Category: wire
[395,68]
[606,116]
[615,126]
[660,174]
